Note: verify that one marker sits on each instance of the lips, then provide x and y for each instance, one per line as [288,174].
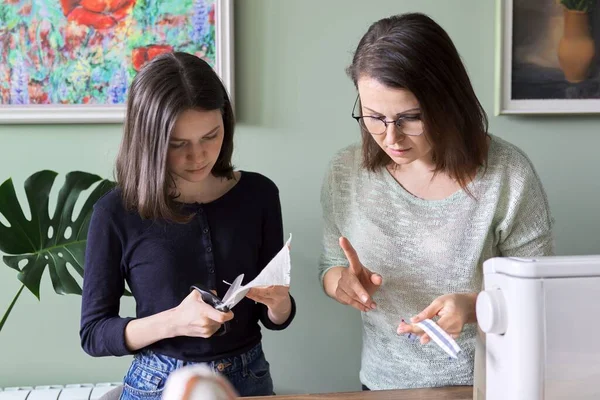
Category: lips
[197,169]
[398,151]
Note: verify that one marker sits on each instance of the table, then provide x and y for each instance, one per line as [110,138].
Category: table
[448,393]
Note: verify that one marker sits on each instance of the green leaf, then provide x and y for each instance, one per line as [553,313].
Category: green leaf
[29,242]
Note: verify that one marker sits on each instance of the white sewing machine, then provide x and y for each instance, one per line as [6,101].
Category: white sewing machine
[541,317]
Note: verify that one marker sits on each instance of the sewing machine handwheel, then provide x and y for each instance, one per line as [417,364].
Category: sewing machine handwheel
[491,312]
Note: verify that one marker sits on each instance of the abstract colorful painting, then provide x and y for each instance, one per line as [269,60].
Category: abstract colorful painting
[57,53]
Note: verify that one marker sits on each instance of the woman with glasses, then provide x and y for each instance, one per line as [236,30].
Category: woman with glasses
[412,212]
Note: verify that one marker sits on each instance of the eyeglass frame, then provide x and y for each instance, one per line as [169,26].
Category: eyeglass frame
[385,121]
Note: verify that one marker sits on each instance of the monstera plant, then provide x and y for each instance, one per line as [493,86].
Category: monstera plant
[47,242]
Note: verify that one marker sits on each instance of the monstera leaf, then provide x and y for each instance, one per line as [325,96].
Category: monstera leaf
[47,242]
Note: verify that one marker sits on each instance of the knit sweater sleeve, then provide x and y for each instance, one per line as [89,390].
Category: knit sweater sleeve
[331,253]
[526,229]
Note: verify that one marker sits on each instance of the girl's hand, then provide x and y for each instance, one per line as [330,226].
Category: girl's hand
[276,298]
[193,317]
[455,310]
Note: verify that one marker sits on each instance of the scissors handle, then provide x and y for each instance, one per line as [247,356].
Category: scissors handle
[215,302]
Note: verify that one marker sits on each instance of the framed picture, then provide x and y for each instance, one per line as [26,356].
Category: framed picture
[548,55]
[71,61]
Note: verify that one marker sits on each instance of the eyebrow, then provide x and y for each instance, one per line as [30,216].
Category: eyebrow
[176,139]
[397,115]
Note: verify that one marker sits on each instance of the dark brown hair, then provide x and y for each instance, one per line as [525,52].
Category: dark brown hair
[166,87]
[412,52]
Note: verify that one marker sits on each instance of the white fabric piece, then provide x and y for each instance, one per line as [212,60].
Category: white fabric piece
[276,273]
[440,337]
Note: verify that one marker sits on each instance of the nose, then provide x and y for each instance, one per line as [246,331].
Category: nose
[197,153]
[392,135]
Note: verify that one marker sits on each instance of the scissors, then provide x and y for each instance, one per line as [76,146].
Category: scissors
[215,302]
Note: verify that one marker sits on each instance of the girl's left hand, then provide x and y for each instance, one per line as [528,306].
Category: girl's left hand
[276,298]
[455,310]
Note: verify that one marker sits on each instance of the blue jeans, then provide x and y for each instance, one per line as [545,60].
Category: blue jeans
[248,373]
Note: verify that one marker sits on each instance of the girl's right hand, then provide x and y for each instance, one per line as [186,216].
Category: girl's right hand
[193,317]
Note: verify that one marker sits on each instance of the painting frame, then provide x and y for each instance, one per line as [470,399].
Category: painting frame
[505,104]
[111,114]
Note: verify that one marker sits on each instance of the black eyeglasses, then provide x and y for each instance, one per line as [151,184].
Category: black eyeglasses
[410,124]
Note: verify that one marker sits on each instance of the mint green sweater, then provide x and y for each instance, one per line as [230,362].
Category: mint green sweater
[427,248]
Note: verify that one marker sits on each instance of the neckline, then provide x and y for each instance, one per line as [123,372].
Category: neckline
[458,195]
[223,197]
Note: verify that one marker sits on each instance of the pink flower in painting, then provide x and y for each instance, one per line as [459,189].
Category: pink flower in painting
[75,35]
[44,39]
[100,14]
[37,94]
[26,10]
[141,55]
[96,40]
[211,15]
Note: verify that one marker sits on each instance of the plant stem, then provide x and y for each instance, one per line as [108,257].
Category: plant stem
[5,317]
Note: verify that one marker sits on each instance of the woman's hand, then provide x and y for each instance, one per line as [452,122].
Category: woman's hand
[353,285]
[193,317]
[455,310]
[276,298]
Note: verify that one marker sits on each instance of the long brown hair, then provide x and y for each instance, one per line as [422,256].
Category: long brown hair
[167,86]
[412,52]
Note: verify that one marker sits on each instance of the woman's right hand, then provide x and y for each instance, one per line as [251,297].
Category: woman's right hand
[193,317]
[356,283]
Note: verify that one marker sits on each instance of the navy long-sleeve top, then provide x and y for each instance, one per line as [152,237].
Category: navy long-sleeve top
[239,233]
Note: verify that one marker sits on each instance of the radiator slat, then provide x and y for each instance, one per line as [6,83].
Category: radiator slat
[78,391]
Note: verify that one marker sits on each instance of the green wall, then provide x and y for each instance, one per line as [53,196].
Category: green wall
[294,102]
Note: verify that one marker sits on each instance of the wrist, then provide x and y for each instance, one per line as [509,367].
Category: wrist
[278,315]
[282,310]
[168,325]
[142,332]
[331,281]
[472,316]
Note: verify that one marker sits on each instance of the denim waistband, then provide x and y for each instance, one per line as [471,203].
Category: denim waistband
[229,364]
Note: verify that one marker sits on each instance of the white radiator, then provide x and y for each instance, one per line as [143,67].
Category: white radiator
[83,391]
